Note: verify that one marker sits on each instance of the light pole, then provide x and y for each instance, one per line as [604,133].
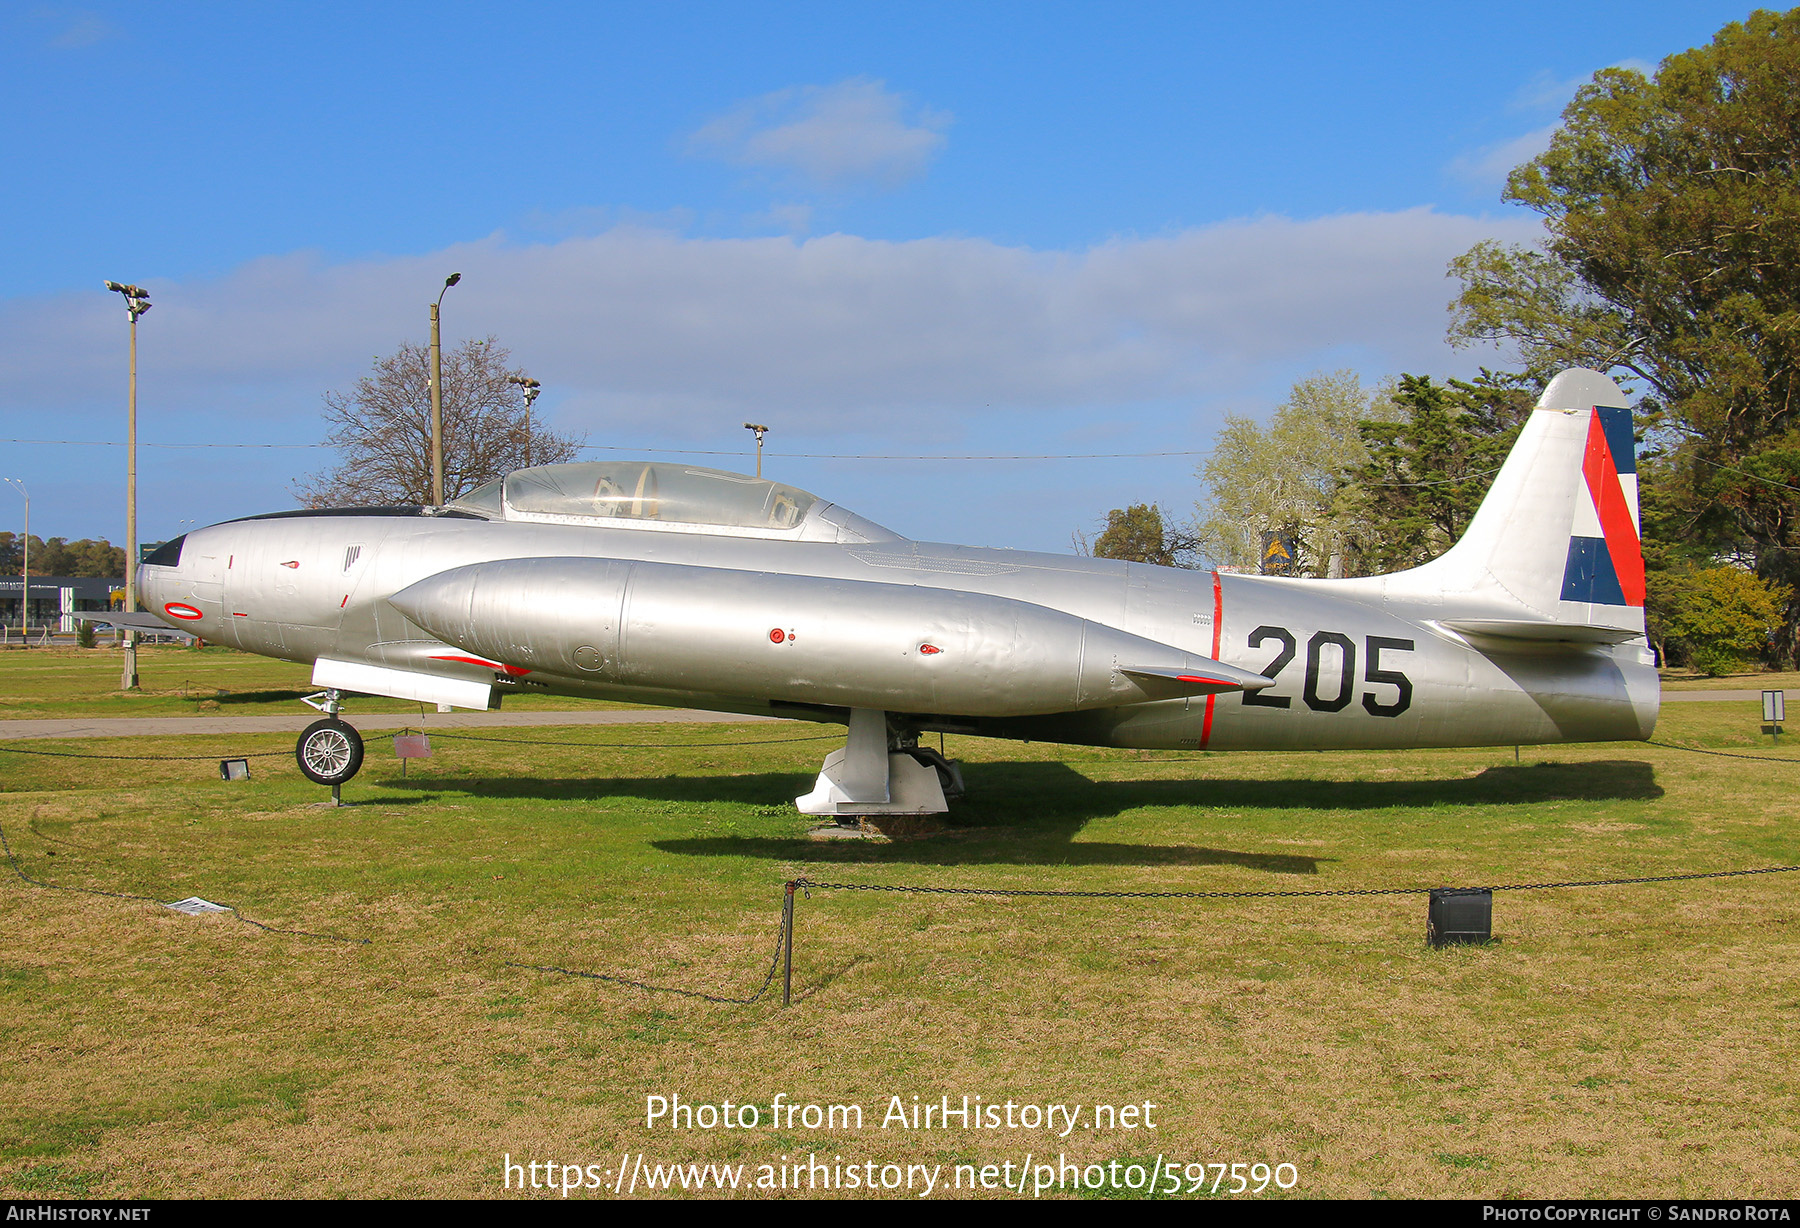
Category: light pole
[437,398]
[760,430]
[25,564]
[532,388]
[137,302]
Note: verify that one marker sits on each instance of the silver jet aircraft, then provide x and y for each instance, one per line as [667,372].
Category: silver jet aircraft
[673,585]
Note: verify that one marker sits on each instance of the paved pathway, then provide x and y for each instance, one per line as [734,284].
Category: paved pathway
[165,726]
[1691,697]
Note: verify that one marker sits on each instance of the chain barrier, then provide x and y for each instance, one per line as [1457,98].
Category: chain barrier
[776,963]
[782,959]
[1727,754]
[67,754]
[12,860]
[1251,895]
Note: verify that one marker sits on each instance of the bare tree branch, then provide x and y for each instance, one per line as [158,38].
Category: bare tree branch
[382,429]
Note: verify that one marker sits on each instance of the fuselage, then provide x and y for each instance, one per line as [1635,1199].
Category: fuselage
[1351,666]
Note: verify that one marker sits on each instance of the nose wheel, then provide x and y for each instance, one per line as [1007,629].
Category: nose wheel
[329,752]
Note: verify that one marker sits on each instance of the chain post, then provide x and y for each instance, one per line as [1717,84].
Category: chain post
[787,945]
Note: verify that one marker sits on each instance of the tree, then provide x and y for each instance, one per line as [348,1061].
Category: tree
[1287,477]
[382,429]
[1722,616]
[61,557]
[1429,468]
[1141,534]
[1672,206]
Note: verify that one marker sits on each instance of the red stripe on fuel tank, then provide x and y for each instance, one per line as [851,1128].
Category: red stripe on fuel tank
[513,670]
[1218,619]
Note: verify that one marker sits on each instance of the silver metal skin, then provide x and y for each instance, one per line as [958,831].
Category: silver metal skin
[666,584]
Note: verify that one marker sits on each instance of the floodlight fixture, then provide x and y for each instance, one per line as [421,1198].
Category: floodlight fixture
[137,299]
[760,430]
[531,388]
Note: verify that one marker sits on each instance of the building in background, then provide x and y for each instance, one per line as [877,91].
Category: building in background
[55,599]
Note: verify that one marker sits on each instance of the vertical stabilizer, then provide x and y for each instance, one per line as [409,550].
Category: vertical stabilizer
[1556,539]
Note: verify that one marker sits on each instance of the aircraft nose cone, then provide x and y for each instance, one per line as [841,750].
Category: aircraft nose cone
[533,613]
[438,603]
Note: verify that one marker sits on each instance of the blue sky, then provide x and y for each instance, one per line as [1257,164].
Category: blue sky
[879,228]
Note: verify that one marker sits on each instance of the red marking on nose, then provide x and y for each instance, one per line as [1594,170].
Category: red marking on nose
[929,650]
[776,635]
[344,602]
[179,609]
[292,563]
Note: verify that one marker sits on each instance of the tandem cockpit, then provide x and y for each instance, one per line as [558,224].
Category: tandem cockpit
[667,497]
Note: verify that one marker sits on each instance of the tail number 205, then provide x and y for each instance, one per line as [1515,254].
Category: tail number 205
[1343,686]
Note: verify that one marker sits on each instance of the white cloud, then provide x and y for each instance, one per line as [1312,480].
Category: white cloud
[837,333]
[74,28]
[794,219]
[854,133]
[1546,90]
[1490,165]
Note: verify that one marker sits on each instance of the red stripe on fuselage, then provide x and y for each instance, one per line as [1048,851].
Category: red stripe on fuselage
[513,670]
[1602,474]
[1218,621]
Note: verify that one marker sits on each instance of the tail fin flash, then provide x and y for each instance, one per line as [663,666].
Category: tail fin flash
[1606,562]
[1555,543]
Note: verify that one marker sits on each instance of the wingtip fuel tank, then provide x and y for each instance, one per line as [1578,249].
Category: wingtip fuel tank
[823,641]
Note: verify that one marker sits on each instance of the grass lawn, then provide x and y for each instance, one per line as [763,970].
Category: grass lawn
[1620,1041]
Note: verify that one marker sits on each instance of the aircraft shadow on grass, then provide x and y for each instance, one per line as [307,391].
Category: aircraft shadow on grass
[1031,813]
[226,698]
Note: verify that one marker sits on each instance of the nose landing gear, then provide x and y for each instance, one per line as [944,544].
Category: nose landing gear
[329,751]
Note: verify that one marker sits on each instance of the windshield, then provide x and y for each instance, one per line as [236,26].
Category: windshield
[484,499]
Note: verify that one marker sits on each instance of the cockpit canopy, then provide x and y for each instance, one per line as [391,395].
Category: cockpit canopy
[680,498]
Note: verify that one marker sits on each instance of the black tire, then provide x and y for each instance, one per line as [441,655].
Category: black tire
[329,752]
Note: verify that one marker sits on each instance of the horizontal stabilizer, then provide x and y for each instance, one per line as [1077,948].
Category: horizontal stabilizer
[1214,678]
[1540,632]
